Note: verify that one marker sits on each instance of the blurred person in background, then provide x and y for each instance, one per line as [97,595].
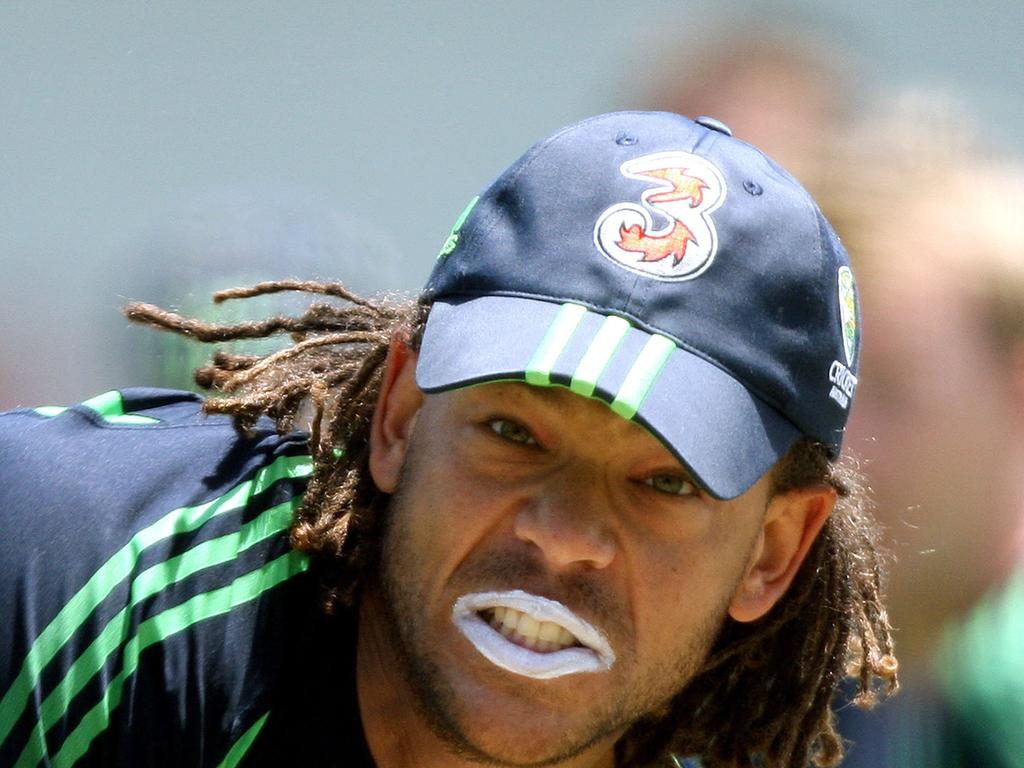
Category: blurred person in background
[222,238]
[205,241]
[939,239]
[781,85]
[981,674]
[940,245]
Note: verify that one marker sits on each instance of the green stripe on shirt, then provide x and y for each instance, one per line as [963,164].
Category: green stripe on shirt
[81,605]
[109,406]
[145,585]
[241,747]
[158,628]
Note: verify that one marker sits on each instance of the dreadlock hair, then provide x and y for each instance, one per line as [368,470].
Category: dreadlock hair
[335,364]
[762,697]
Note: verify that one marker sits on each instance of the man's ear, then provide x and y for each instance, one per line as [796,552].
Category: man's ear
[791,523]
[397,405]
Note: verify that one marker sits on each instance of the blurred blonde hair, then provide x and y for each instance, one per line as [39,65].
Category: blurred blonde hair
[912,195]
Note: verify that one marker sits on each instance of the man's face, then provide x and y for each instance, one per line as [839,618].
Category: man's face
[512,488]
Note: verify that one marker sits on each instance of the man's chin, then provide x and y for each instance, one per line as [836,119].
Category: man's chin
[485,714]
[541,740]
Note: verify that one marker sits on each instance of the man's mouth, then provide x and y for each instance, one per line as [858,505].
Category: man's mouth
[531,635]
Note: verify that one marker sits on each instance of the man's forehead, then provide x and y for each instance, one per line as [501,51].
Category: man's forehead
[558,402]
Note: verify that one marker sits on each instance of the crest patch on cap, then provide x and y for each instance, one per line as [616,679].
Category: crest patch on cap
[848,313]
[842,379]
[671,236]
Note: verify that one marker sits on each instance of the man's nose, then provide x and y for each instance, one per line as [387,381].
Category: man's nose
[570,520]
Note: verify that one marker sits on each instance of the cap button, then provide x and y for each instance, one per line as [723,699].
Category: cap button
[713,124]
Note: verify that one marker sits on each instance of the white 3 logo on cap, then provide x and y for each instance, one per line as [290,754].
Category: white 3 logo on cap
[688,190]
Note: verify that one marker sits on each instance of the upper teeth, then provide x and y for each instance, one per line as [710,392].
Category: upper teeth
[522,628]
[582,648]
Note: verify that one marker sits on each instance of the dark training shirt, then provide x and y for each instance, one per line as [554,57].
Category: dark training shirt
[152,611]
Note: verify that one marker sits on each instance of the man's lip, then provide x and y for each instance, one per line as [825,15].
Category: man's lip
[595,656]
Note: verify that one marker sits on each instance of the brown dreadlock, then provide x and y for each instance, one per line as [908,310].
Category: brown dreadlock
[765,692]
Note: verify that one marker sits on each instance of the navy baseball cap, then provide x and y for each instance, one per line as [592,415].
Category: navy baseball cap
[667,269]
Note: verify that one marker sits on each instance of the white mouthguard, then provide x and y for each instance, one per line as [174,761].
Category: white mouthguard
[596,657]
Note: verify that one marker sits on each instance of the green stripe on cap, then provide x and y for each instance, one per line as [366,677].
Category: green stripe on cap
[641,376]
[453,236]
[595,360]
[538,370]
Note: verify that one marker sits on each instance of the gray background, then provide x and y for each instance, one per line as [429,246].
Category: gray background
[138,139]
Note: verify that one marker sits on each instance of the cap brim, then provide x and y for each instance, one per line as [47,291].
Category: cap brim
[722,433]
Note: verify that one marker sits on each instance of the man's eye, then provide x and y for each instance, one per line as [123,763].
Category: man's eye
[511,431]
[671,484]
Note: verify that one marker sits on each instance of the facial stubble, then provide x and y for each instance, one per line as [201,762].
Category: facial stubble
[403,608]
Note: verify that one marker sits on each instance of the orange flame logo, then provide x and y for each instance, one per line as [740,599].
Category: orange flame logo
[656,248]
[684,186]
[672,231]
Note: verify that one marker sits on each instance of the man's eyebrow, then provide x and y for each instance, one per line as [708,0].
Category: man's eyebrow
[521,391]
[555,397]
[549,395]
